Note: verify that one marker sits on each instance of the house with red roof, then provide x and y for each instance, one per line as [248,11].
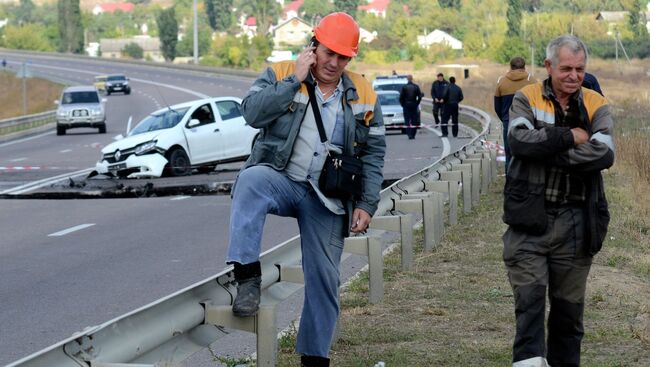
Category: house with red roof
[112,8]
[292,10]
[376,7]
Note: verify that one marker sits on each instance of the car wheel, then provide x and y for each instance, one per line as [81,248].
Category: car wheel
[60,130]
[102,129]
[179,163]
[128,91]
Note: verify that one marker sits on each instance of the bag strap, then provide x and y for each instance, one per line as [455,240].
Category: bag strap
[316,110]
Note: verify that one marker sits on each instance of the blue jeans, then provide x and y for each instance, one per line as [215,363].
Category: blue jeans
[261,190]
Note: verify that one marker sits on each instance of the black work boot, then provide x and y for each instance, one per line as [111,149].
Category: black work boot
[249,282]
[313,361]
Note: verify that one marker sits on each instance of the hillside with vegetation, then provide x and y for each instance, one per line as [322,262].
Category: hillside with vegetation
[489,29]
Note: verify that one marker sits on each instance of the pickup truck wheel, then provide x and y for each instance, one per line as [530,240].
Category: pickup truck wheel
[102,129]
[179,163]
[60,130]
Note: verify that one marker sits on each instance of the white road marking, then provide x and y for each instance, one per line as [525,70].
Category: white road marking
[446,147]
[70,230]
[47,181]
[180,198]
[65,150]
[25,139]
[18,159]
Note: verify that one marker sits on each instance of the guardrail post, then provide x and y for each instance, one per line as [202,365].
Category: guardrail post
[404,225]
[371,247]
[264,325]
[429,207]
[476,178]
[454,178]
[450,189]
[484,158]
[466,183]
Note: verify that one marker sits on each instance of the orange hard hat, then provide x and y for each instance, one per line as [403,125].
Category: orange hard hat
[340,33]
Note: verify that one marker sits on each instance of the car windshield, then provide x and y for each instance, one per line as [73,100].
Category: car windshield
[395,87]
[162,120]
[79,97]
[388,99]
[114,78]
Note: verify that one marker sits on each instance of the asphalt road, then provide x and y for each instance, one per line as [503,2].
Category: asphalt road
[68,264]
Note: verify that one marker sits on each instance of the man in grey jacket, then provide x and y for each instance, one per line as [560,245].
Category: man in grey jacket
[281,175]
[554,203]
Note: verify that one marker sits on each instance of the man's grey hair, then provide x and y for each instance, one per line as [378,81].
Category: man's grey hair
[573,43]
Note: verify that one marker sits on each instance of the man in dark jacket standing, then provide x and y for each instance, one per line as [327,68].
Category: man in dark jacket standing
[554,204]
[437,92]
[410,98]
[452,97]
[507,85]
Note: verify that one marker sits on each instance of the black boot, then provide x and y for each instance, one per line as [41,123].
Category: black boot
[249,282]
[313,361]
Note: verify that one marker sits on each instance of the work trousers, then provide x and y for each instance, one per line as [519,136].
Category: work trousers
[261,190]
[557,260]
[437,111]
[450,111]
[411,119]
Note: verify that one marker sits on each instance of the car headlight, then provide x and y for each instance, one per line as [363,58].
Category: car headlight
[96,111]
[145,148]
[61,113]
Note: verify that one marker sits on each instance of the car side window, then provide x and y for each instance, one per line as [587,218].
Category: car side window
[204,114]
[228,110]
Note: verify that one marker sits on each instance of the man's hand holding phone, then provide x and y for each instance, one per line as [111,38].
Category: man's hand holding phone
[306,59]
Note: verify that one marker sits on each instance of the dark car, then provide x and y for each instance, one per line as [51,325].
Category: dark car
[117,83]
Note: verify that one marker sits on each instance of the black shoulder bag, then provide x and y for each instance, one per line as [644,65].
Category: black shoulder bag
[341,174]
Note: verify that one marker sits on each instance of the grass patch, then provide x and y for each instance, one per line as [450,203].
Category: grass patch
[40,95]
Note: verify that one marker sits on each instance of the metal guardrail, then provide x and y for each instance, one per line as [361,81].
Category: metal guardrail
[171,329]
[11,125]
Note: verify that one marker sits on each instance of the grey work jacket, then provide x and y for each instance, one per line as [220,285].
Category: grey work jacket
[277,102]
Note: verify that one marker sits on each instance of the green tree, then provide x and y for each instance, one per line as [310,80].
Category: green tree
[70,29]
[25,12]
[347,6]
[513,17]
[635,23]
[168,32]
[265,11]
[315,9]
[26,37]
[185,47]
[455,4]
[219,14]
[134,51]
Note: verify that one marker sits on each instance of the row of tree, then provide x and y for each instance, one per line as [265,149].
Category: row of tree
[489,29]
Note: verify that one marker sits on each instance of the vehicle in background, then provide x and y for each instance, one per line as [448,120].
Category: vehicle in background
[100,83]
[391,109]
[117,83]
[394,83]
[174,140]
[80,106]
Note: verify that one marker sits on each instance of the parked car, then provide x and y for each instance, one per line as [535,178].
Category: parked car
[391,109]
[80,106]
[117,83]
[394,83]
[174,140]
[100,83]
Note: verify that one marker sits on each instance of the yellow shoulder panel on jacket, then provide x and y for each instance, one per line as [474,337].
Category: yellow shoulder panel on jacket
[593,101]
[283,69]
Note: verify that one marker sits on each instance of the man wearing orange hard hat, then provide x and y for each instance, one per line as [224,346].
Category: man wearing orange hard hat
[308,111]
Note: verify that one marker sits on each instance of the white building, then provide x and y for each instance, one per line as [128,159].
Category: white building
[439,37]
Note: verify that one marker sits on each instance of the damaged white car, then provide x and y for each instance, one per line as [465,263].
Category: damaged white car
[174,140]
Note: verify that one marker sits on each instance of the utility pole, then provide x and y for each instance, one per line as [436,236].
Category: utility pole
[196,34]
